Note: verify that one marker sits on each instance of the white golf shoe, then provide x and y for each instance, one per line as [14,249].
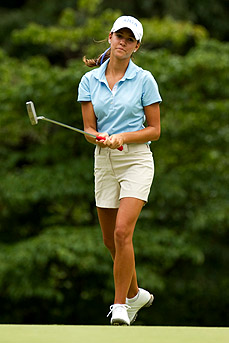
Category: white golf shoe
[144,299]
[119,314]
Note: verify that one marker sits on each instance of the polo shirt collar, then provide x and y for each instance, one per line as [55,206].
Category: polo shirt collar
[129,74]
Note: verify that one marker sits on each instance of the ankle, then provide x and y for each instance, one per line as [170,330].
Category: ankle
[133,295]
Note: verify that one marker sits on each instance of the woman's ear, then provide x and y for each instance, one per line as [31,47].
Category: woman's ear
[109,38]
[137,47]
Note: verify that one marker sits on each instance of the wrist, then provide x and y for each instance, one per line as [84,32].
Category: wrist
[123,137]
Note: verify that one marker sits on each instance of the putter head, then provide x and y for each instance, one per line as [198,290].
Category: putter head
[31,112]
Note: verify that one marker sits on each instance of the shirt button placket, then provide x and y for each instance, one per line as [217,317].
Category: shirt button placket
[113,92]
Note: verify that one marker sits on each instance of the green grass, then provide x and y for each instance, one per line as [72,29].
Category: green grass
[109,334]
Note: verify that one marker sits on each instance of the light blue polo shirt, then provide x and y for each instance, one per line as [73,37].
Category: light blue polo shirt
[122,108]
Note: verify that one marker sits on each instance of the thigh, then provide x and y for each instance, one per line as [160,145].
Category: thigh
[128,213]
[107,219]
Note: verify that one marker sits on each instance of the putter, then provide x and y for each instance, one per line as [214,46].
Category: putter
[34,120]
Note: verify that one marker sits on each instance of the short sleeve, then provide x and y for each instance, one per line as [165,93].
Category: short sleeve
[84,93]
[150,94]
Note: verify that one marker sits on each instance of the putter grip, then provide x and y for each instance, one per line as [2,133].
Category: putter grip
[99,138]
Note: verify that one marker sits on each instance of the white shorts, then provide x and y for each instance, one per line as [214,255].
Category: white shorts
[121,174]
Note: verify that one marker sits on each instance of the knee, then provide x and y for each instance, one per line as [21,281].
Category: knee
[109,244]
[121,236]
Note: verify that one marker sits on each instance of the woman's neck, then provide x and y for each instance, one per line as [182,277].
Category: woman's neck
[117,67]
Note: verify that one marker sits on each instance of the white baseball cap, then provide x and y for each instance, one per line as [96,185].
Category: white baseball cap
[131,23]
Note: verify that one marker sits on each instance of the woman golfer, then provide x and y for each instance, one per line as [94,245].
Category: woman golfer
[116,99]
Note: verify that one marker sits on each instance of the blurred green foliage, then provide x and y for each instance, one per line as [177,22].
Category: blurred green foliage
[53,264]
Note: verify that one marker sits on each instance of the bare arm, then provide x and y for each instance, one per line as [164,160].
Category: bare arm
[89,121]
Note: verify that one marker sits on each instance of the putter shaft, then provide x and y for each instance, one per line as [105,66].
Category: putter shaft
[34,120]
[99,138]
[67,126]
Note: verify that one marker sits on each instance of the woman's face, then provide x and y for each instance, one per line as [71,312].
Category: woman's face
[123,43]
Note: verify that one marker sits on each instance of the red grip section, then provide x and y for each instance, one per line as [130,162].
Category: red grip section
[99,138]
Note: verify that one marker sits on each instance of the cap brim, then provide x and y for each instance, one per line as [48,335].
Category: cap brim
[127,27]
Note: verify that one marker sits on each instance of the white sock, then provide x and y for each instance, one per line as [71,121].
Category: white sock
[134,298]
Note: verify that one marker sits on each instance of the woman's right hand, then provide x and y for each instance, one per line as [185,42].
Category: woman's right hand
[101,143]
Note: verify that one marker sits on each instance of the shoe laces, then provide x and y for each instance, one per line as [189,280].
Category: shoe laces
[115,306]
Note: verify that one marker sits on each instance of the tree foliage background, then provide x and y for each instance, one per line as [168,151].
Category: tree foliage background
[53,265]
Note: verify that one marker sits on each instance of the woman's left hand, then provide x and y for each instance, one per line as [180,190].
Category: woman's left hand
[115,141]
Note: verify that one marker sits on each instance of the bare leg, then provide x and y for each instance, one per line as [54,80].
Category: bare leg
[124,262]
[107,219]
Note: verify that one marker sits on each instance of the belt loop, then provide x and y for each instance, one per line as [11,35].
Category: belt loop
[99,149]
[125,148]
